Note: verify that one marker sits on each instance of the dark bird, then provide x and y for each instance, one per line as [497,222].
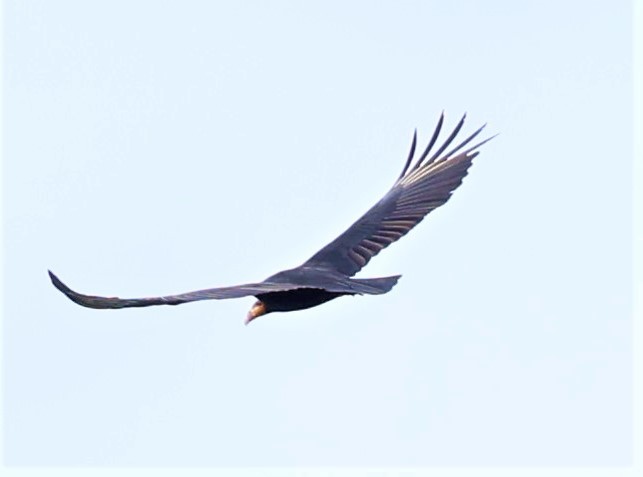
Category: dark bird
[421,187]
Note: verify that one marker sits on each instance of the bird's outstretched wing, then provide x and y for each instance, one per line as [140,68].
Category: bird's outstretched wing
[420,188]
[208,294]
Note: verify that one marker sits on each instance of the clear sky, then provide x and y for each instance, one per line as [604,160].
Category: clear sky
[160,147]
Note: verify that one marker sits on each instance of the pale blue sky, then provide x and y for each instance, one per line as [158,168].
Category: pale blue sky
[160,147]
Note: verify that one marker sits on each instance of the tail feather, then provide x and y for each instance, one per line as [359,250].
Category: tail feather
[374,286]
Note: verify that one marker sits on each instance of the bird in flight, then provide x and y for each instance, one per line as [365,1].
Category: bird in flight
[423,186]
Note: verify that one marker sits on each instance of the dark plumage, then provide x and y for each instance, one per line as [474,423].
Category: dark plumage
[421,187]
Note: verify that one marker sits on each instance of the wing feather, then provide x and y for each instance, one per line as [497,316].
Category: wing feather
[103,302]
[421,188]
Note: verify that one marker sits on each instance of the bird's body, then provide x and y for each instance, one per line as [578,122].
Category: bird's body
[329,273]
[319,287]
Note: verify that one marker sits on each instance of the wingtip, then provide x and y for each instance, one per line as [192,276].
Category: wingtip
[489,139]
[473,148]
[57,283]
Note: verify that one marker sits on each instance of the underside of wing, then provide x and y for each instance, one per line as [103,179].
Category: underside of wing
[421,187]
[103,302]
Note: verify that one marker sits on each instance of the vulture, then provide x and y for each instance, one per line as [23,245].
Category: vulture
[424,185]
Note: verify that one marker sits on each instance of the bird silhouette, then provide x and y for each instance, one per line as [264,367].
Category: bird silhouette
[425,184]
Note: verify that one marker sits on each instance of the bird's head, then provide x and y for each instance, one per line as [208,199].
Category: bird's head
[258,309]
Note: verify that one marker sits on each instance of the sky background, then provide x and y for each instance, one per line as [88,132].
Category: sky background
[159,147]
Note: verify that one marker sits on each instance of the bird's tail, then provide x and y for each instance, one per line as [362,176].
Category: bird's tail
[374,286]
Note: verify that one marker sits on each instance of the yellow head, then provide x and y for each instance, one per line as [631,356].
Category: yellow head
[258,309]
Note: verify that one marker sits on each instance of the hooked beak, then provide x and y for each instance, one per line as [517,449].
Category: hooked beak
[257,309]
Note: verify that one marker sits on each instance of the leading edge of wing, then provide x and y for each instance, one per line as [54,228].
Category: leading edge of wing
[103,302]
